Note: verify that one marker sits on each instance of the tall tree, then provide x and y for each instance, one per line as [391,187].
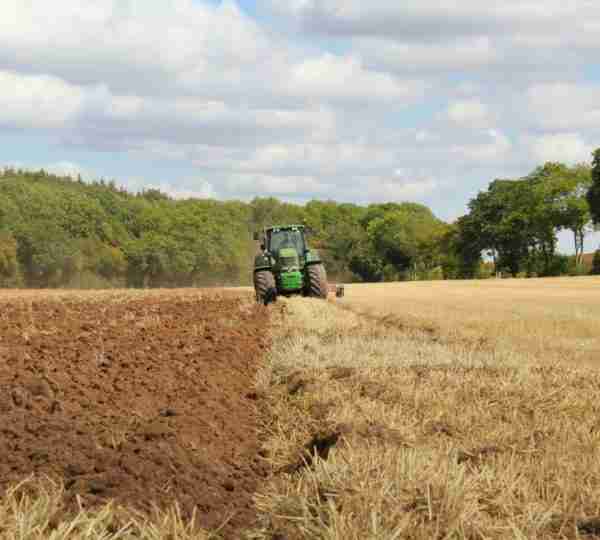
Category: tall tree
[466,243]
[500,220]
[545,190]
[574,209]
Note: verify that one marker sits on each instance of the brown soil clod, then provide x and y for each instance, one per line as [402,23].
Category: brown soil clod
[167,413]
[255,396]
[19,397]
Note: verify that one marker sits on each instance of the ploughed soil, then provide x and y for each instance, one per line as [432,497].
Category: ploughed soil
[142,398]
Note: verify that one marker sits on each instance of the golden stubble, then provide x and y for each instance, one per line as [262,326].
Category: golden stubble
[30,510]
[432,434]
[549,319]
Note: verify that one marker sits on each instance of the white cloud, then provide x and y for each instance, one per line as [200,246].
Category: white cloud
[565,105]
[406,56]
[420,17]
[526,40]
[363,189]
[130,75]
[374,189]
[410,190]
[144,47]
[566,147]
[60,168]
[67,168]
[497,146]
[472,113]
[37,101]
[335,77]
[332,160]
[295,187]
[170,48]
[195,189]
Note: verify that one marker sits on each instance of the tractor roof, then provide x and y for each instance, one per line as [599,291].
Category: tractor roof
[284,227]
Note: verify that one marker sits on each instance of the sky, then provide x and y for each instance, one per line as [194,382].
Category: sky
[420,100]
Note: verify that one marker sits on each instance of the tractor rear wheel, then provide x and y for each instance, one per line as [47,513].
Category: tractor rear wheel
[317,281]
[264,285]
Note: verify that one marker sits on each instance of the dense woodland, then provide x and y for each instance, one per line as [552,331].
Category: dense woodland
[63,232]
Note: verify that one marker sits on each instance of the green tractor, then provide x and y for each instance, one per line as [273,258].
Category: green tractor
[287,266]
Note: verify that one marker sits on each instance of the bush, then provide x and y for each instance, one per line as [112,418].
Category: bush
[577,269]
[435,274]
[535,265]
[559,266]
[391,274]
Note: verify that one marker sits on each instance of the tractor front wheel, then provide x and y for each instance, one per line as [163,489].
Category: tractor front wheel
[264,286]
[317,281]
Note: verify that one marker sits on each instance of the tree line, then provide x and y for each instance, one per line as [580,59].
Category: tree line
[515,222]
[62,232]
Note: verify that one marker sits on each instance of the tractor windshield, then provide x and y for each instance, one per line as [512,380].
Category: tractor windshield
[286,238]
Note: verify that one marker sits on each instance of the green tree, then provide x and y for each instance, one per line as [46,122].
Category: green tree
[48,255]
[9,264]
[515,222]
[338,235]
[593,194]
[365,262]
[596,263]
[546,189]
[408,239]
[465,246]
[574,208]
[270,211]
[558,202]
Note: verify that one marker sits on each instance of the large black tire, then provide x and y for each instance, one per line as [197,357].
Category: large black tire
[264,286]
[317,281]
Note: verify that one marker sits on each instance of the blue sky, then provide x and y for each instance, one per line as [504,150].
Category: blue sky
[341,99]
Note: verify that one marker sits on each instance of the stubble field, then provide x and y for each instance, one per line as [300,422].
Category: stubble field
[419,410]
[437,410]
[543,319]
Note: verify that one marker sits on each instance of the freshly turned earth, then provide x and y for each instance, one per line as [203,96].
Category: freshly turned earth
[141,398]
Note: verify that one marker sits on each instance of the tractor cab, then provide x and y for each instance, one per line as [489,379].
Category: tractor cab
[287,238]
[287,265]
[287,246]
